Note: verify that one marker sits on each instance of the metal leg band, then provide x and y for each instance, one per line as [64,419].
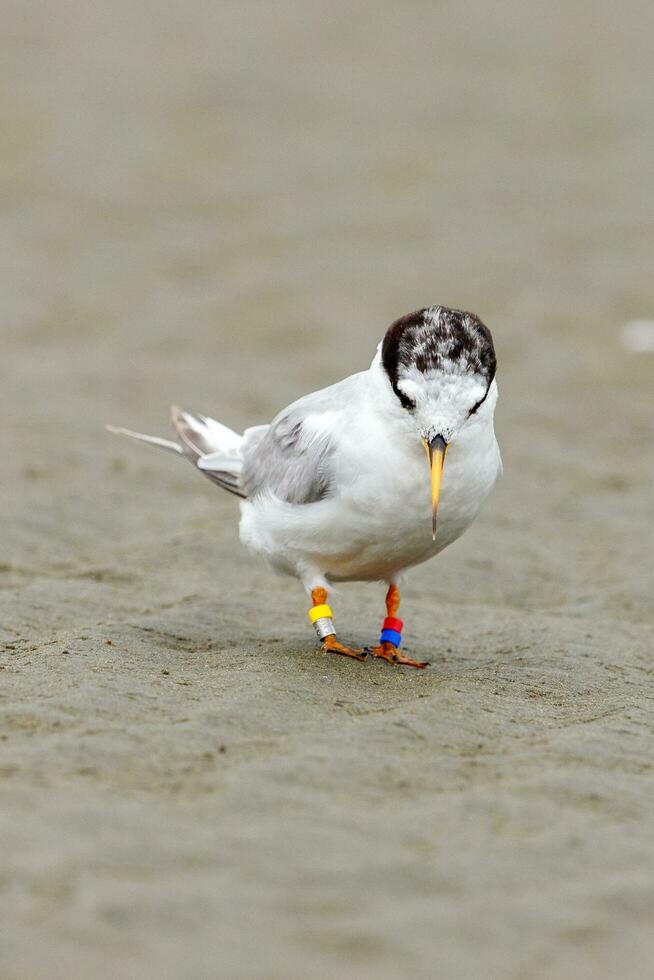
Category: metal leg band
[324,627]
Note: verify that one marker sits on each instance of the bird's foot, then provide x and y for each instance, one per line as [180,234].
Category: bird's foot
[390,653]
[332,644]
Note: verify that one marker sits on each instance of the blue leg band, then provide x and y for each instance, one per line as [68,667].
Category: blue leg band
[391,636]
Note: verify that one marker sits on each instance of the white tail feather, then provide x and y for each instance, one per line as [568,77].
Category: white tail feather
[153,440]
[221,462]
[213,448]
[204,435]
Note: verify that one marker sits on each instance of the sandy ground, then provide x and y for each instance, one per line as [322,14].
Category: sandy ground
[223,205]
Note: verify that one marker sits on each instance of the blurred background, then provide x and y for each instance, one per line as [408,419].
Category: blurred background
[223,206]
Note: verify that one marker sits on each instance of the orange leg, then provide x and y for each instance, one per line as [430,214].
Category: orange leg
[319,598]
[386,650]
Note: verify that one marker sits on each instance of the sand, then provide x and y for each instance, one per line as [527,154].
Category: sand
[223,206]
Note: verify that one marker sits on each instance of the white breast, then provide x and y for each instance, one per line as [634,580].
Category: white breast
[388,507]
[378,520]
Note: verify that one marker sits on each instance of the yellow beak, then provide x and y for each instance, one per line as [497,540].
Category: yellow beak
[436,451]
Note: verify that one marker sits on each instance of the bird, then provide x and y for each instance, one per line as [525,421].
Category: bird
[369,477]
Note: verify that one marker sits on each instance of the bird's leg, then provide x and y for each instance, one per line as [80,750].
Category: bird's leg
[321,616]
[391,634]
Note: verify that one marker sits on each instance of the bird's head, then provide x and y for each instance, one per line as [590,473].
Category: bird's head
[440,364]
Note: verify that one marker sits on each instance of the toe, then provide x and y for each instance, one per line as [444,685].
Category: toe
[334,646]
[386,651]
[349,652]
[408,662]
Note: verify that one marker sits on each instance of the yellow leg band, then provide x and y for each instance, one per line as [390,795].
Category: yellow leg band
[320,612]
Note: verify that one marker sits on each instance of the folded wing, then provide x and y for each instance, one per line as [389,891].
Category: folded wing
[292,457]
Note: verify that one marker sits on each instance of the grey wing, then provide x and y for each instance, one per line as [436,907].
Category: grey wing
[291,458]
